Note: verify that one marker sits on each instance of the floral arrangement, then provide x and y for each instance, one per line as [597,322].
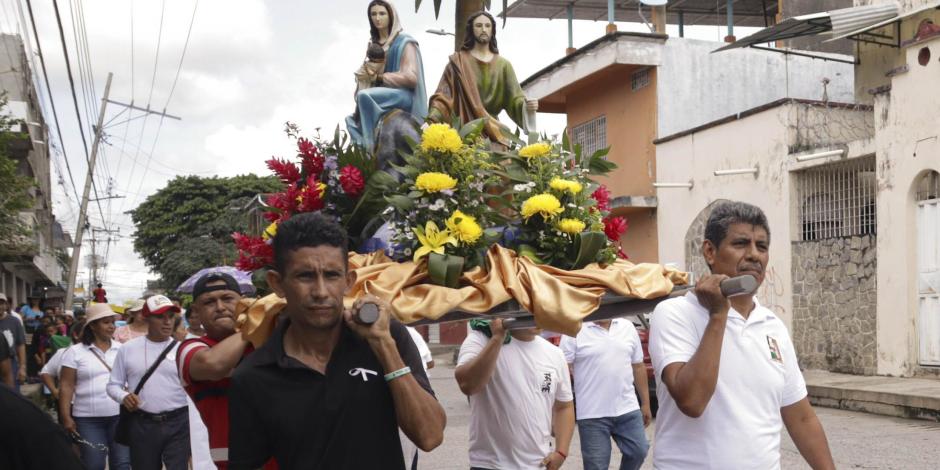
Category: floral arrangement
[562,215]
[331,176]
[442,210]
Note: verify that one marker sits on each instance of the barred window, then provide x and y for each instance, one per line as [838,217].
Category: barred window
[640,79]
[837,200]
[592,135]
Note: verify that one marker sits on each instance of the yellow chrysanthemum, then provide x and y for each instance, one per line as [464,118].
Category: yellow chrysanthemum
[464,227]
[545,204]
[572,187]
[270,231]
[440,137]
[571,226]
[432,240]
[540,149]
[434,182]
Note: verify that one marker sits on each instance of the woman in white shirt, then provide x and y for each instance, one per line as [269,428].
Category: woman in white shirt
[84,406]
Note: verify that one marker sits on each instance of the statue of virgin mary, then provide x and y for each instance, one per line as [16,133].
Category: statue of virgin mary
[399,86]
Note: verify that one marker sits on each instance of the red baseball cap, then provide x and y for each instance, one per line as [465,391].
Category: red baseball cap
[158,305]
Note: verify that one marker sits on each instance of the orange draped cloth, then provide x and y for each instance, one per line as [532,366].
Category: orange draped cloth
[558,299]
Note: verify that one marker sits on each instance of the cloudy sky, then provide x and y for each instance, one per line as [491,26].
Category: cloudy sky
[249,66]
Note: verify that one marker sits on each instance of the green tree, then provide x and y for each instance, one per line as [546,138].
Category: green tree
[14,188]
[187,225]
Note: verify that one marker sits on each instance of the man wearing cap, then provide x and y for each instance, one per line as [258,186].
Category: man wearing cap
[206,363]
[159,430]
[11,329]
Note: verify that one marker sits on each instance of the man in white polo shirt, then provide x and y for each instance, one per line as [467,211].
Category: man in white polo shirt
[520,395]
[729,371]
[606,359]
[159,428]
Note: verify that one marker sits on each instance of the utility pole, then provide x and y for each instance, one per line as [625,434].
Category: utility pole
[83,211]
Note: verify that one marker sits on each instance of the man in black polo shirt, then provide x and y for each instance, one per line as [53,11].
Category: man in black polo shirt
[325,392]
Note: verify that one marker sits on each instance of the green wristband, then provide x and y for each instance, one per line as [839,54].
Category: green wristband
[398,373]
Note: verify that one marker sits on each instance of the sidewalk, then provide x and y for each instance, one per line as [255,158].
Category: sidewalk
[891,396]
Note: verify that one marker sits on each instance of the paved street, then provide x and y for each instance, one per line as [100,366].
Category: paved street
[858,440]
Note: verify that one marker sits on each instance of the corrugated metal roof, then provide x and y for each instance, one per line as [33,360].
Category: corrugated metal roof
[755,13]
[886,22]
[833,22]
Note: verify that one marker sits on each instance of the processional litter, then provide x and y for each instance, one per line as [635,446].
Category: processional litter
[450,215]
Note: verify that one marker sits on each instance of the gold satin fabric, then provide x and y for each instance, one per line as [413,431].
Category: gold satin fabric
[558,299]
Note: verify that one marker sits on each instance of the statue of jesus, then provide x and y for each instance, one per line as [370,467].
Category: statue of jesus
[479,83]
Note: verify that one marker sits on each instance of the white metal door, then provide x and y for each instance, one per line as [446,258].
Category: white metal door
[928,280]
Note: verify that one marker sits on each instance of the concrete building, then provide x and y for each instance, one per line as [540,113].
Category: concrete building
[852,191]
[624,90]
[36,272]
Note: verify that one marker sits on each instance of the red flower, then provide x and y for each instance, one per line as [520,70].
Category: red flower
[311,159]
[284,170]
[614,227]
[602,196]
[285,202]
[350,178]
[305,147]
[253,252]
[311,196]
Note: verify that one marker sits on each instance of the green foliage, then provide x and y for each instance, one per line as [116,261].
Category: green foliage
[14,190]
[187,225]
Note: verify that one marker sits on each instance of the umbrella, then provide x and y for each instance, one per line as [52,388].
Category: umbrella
[242,277]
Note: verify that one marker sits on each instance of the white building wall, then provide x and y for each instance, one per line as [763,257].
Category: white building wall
[760,140]
[696,86]
[907,120]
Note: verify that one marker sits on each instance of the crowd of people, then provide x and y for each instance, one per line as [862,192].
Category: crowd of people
[327,391]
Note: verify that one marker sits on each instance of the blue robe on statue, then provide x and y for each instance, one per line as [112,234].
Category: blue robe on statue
[374,102]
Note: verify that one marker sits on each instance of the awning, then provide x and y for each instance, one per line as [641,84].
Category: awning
[754,13]
[857,34]
[835,22]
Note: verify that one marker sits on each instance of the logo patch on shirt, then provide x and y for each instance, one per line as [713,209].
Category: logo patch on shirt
[364,373]
[546,382]
[774,349]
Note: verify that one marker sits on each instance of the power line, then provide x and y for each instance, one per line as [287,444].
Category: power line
[55,116]
[68,68]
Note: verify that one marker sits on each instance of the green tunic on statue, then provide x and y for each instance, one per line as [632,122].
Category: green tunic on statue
[471,89]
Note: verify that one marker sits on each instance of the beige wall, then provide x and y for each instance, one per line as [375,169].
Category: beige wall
[631,128]
[758,140]
[876,60]
[908,123]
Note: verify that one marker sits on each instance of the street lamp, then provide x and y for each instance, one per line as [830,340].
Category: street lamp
[440,32]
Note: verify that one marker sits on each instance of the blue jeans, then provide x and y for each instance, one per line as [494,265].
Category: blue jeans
[627,431]
[100,430]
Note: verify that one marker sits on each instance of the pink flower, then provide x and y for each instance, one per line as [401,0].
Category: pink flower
[602,196]
[311,196]
[615,227]
[350,178]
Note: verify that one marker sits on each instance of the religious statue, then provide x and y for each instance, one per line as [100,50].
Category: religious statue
[390,79]
[479,83]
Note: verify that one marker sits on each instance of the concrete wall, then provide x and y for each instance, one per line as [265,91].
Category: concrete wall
[875,61]
[631,121]
[834,304]
[697,87]
[908,146]
[758,140]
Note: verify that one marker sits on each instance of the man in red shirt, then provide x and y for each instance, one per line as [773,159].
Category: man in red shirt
[101,295]
[206,363]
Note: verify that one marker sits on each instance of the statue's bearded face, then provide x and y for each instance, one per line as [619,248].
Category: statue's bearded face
[379,16]
[482,29]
